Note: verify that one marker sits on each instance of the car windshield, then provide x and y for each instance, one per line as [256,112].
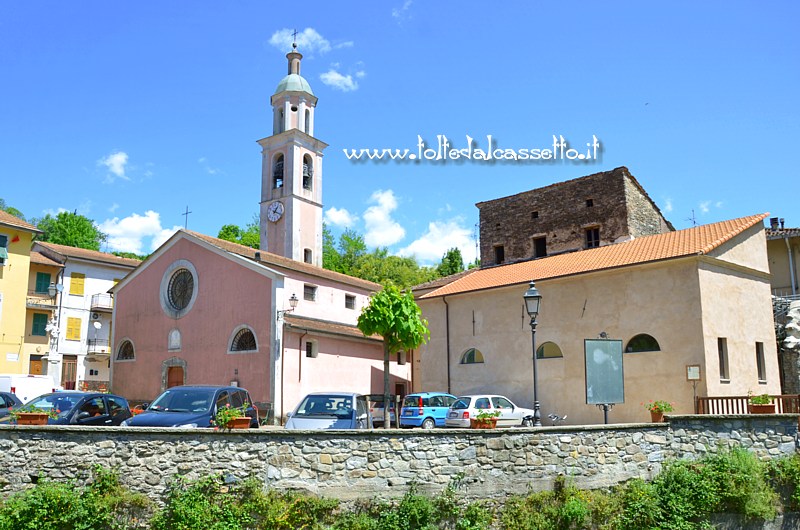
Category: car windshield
[462,403]
[61,403]
[414,401]
[184,400]
[325,405]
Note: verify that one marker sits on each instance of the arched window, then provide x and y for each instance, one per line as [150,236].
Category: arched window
[548,350]
[641,343]
[308,172]
[282,121]
[277,172]
[472,356]
[125,351]
[244,340]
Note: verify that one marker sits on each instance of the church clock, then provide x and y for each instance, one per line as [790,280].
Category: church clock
[275,211]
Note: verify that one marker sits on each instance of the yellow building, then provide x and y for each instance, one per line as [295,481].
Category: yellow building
[41,303]
[15,248]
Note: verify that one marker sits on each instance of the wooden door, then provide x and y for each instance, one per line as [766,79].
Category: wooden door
[174,376]
[35,367]
[69,370]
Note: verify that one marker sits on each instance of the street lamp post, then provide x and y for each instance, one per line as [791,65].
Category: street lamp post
[532,302]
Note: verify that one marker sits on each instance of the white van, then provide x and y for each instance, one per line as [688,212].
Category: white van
[26,387]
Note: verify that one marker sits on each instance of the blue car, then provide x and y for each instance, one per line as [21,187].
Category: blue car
[83,408]
[192,406]
[426,409]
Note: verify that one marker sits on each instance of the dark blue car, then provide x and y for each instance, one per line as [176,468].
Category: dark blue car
[8,400]
[192,406]
[84,408]
[425,409]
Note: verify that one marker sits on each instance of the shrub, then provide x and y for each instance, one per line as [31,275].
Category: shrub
[742,484]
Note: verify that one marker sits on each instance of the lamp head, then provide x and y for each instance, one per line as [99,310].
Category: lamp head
[532,300]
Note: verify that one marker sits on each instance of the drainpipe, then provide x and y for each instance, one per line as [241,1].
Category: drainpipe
[447,339]
[792,272]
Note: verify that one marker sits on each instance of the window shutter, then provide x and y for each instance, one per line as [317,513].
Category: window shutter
[42,282]
[76,283]
[73,328]
[39,325]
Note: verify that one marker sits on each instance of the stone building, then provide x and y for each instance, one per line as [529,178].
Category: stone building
[587,212]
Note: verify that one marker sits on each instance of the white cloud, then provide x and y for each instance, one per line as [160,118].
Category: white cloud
[113,208]
[401,13]
[339,217]
[361,74]
[381,229]
[334,79]
[704,206]
[206,166]
[718,204]
[667,205]
[308,41]
[115,163]
[441,237]
[346,44]
[128,234]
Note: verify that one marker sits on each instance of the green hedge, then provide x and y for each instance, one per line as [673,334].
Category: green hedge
[683,496]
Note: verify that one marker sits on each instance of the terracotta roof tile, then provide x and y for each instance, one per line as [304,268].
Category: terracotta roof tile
[10,220]
[692,241]
[40,259]
[326,326]
[83,253]
[285,263]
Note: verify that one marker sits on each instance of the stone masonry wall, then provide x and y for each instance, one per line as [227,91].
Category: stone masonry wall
[352,464]
[620,208]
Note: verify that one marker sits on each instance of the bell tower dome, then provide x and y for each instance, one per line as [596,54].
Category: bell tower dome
[291,171]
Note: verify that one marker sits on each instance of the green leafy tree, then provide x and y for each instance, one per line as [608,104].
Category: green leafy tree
[71,229]
[130,255]
[331,259]
[10,209]
[398,319]
[452,263]
[248,235]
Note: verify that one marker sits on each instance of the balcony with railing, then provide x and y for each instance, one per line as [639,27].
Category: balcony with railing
[98,347]
[37,300]
[102,302]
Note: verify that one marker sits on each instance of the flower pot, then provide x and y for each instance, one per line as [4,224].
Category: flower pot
[489,423]
[766,408]
[239,423]
[32,418]
[656,416]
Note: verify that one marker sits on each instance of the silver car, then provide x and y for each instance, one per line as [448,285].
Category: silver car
[466,407]
[331,410]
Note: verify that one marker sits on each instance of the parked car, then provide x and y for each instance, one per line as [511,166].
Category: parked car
[192,406]
[376,409]
[7,401]
[83,408]
[466,407]
[426,409]
[27,387]
[331,410]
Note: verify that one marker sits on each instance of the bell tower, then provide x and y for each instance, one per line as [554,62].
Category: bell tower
[291,172]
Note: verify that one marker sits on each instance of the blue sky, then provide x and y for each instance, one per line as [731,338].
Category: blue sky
[130,112]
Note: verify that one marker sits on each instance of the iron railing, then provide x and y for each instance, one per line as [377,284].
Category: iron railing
[102,302]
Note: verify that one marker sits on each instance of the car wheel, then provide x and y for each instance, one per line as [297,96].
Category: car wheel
[527,422]
[428,423]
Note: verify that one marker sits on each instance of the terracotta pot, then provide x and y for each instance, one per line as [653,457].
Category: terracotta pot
[656,417]
[239,423]
[766,408]
[32,418]
[489,423]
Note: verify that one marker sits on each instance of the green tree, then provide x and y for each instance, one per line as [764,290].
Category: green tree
[452,263]
[70,229]
[10,209]
[331,259]
[248,236]
[398,319]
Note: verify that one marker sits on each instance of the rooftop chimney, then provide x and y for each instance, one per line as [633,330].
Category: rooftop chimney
[773,223]
[781,223]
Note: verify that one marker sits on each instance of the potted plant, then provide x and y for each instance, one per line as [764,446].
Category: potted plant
[228,417]
[31,415]
[760,404]
[657,409]
[484,419]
